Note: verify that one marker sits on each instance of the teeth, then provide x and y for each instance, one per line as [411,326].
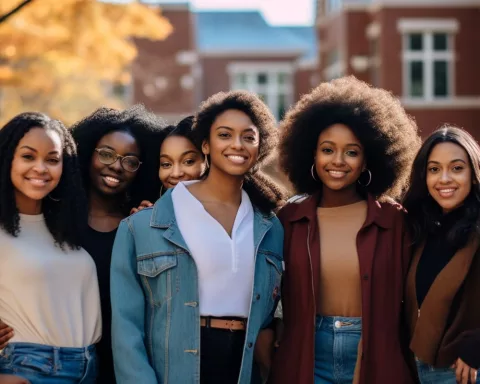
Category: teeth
[38,181]
[237,159]
[112,179]
[337,173]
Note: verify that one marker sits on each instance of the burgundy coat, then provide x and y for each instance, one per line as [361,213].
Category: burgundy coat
[384,255]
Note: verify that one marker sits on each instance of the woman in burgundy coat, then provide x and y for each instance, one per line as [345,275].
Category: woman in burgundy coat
[349,148]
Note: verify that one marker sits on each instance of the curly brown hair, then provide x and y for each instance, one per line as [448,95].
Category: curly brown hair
[388,134]
[265,194]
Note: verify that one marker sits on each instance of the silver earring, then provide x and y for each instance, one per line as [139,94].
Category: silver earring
[369,179]
[52,198]
[313,174]
[161,189]
[207,165]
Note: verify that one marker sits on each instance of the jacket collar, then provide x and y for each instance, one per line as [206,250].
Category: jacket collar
[306,208]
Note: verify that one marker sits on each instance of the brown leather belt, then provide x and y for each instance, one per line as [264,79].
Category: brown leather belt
[232,325]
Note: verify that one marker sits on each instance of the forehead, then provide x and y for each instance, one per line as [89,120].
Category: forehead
[176,145]
[338,133]
[118,139]
[234,119]
[446,152]
[42,140]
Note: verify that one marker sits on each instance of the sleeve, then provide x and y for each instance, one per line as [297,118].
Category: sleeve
[128,313]
[469,348]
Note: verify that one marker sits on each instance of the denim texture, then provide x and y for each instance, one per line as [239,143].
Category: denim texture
[431,375]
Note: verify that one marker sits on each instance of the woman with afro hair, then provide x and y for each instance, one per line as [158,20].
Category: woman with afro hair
[119,169]
[348,147]
[48,284]
[196,277]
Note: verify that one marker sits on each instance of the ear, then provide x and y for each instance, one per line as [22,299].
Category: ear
[205,147]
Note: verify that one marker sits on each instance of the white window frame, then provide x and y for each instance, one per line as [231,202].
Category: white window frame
[272,89]
[427,28]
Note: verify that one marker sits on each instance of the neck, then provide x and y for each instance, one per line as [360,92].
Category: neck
[331,198]
[101,205]
[28,206]
[223,187]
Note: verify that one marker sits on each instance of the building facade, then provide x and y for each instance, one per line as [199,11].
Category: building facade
[424,51]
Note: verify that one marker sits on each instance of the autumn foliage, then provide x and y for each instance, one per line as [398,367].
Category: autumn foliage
[62,56]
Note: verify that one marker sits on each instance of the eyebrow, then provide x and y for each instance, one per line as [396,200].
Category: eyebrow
[453,161]
[348,145]
[183,154]
[231,129]
[34,150]
[114,150]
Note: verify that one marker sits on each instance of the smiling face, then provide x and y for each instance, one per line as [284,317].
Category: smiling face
[113,179]
[180,160]
[233,143]
[36,168]
[449,175]
[339,158]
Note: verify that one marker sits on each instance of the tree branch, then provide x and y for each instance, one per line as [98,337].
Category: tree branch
[7,15]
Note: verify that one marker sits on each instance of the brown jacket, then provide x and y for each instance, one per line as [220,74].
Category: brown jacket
[438,335]
[384,258]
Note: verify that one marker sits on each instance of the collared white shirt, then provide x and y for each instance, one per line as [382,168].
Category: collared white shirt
[225,264]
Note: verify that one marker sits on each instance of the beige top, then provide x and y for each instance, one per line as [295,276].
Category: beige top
[48,296]
[340,291]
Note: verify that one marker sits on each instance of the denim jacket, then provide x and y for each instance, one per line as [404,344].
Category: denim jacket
[154,291]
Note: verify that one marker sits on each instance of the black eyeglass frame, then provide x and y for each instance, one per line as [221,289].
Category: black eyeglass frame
[117,157]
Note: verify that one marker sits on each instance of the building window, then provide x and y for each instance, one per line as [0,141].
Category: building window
[273,83]
[428,58]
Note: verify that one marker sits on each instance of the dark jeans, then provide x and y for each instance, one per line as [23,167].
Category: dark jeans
[221,352]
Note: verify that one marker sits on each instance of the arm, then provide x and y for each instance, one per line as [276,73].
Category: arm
[128,313]
[6,333]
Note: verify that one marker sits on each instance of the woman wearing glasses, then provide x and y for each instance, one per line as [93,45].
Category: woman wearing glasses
[113,149]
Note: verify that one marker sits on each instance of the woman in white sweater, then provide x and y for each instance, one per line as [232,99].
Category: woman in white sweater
[48,284]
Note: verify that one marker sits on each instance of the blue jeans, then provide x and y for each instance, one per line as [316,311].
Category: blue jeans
[44,364]
[431,375]
[336,349]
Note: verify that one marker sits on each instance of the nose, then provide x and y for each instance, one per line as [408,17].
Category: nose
[237,143]
[40,167]
[338,159]
[116,166]
[177,171]
[445,177]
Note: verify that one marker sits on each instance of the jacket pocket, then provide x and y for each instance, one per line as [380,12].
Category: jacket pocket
[158,274]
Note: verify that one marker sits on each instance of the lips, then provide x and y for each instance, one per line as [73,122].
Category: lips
[336,174]
[111,181]
[37,182]
[446,192]
[237,159]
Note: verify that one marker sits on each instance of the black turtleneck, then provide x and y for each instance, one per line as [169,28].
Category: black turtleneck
[436,255]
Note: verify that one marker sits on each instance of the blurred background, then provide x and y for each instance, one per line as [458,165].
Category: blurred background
[68,57]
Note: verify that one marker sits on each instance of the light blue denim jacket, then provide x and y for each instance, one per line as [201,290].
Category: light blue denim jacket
[154,291]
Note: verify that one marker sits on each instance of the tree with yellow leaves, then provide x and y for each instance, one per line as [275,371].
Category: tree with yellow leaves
[62,56]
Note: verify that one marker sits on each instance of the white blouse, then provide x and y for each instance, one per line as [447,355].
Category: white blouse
[225,265]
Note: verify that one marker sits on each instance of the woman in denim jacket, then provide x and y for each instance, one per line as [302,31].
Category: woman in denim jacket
[197,276]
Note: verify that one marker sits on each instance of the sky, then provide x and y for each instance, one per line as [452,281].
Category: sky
[276,12]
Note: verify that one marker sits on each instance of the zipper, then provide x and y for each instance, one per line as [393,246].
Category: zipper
[251,301]
[313,283]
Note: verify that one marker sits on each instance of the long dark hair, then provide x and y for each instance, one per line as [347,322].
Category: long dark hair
[66,212]
[423,211]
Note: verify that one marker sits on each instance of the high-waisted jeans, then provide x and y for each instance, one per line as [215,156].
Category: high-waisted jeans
[44,364]
[431,375]
[336,349]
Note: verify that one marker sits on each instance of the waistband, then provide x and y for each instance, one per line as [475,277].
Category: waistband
[65,353]
[339,323]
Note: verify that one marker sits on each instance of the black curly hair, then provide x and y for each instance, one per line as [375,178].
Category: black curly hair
[389,136]
[66,212]
[144,126]
[184,128]
[423,210]
[264,193]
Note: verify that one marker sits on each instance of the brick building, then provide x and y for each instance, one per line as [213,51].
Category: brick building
[424,51]
[217,51]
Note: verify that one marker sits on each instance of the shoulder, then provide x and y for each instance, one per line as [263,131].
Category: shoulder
[138,219]
[292,206]
[391,212]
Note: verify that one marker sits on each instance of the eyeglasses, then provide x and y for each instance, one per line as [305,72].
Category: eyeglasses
[109,156]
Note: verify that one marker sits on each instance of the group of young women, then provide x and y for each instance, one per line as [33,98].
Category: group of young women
[376,260]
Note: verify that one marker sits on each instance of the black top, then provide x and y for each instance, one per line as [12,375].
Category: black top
[436,255]
[99,245]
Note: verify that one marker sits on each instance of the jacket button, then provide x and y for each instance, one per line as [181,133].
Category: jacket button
[365,277]
[250,345]
[258,297]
